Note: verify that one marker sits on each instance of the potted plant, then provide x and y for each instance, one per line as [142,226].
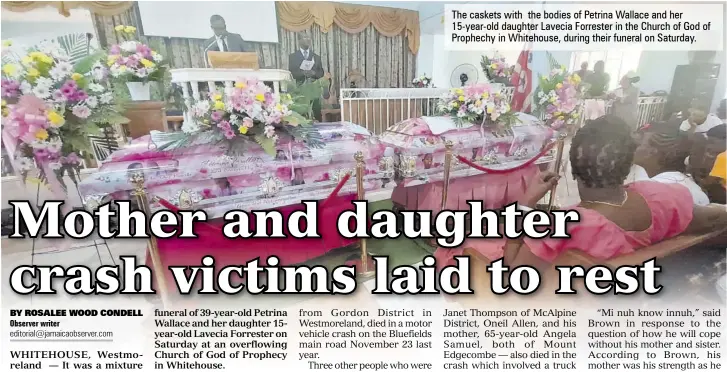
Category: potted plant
[135,64]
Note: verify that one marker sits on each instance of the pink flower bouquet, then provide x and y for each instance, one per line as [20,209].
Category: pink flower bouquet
[133,61]
[558,98]
[51,108]
[479,105]
[248,112]
[497,70]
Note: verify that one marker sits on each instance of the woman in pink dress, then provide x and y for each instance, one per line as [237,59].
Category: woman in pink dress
[616,219]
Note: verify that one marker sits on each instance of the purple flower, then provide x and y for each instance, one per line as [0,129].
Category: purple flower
[229,134]
[10,88]
[70,84]
[216,116]
[58,96]
[132,61]
[224,125]
[115,50]
[68,92]
[80,95]
[144,50]
[41,153]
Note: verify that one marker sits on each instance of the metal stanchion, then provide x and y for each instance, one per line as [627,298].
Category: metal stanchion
[361,195]
[447,169]
[137,179]
[558,162]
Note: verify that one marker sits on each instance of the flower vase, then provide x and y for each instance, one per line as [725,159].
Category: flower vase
[139,91]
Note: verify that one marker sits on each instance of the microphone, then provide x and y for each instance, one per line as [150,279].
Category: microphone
[204,53]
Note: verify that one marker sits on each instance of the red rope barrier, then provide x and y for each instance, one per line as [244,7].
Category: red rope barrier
[335,191]
[504,171]
[166,204]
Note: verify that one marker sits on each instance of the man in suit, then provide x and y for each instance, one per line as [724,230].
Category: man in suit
[224,41]
[295,60]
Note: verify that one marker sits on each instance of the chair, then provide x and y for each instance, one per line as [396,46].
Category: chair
[330,105]
[174,123]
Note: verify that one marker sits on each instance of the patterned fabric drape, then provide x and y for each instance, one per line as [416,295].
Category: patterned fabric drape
[300,15]
[64,7]
[385,62]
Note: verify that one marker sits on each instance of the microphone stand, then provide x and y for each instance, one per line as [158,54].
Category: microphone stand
[206,58]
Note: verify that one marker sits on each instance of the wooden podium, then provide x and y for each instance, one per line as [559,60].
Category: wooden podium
[145,116]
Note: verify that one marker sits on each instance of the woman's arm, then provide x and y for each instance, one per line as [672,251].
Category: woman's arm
[707,219]
[517,253]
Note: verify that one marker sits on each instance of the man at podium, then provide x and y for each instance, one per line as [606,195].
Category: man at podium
[225,41]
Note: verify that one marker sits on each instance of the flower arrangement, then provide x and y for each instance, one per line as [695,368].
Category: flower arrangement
[497,70]
[50,107]
[477,104]
[422,82]
[250,111]
[133,61]
[558,98]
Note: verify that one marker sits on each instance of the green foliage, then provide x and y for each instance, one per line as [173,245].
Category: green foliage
[485,64]
[552,62]
[76,46]
[295,119]
[266,143]
[304,94]
[85,64]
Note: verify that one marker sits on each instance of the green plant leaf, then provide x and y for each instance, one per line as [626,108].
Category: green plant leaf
[91,129]
[295,119]
[75,45]
[85,64]
[552,61]
[266,143]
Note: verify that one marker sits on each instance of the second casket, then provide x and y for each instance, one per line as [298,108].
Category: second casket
[420,147]
[210,178]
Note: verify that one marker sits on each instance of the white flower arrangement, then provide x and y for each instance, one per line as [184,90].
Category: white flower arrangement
[422,82]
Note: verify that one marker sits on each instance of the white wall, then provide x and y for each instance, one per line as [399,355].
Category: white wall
[30,28]
[425,57]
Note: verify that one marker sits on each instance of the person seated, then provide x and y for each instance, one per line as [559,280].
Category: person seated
[705,150]
[719,170]
[614,219]
[660,156]
[699,120]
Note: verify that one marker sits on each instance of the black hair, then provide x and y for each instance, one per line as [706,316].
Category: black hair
[602,152]
[673,145]
[701,106]
[719,132]
[635,79]
[216,17]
